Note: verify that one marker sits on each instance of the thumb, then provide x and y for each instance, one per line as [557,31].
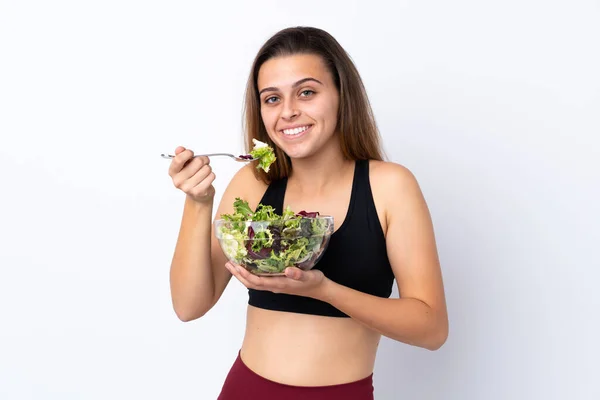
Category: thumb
[179,149]
[295,273]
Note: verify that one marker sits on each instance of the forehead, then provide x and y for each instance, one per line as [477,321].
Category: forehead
[283,71]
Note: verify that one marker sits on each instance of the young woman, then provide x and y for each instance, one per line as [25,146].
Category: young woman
[314,334]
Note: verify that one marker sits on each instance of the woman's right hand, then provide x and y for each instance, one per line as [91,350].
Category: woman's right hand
[193,176]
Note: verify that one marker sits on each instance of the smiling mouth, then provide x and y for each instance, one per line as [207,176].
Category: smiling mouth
[295,131]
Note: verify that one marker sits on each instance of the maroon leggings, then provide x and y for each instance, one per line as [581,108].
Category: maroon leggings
[244,384]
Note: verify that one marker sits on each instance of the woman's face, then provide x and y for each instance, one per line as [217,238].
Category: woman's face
[299,103]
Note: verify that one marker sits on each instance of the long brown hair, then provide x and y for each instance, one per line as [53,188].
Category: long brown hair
[359,136]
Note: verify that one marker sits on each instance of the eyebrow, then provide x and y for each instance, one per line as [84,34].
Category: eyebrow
[300,82]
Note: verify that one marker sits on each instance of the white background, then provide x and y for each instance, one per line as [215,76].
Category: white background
[495,107]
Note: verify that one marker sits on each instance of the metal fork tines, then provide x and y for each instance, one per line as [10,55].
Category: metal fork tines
[237,158]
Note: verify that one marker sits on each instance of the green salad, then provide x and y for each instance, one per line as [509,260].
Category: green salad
[264,241]
[264,153]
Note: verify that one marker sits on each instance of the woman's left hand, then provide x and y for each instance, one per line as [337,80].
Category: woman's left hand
[296,281]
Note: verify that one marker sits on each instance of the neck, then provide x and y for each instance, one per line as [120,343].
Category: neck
[320,171]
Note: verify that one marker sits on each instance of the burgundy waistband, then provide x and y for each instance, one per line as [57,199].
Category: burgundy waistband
[243,383]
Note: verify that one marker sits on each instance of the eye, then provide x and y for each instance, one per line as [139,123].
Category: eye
[304,93]
[268,99]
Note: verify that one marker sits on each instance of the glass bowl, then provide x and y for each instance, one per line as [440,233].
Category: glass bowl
[267,248]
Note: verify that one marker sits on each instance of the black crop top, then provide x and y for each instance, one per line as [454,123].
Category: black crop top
[355,257]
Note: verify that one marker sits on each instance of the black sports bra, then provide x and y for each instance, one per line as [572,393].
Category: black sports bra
[356,256]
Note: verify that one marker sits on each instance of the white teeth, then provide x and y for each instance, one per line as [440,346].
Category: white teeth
[295,131]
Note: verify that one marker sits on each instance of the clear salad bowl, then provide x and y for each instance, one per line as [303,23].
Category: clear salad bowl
[267,248]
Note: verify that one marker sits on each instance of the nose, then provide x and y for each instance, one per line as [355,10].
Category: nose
[289,110]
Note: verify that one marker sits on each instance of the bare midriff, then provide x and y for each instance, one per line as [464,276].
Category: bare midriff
[307,350]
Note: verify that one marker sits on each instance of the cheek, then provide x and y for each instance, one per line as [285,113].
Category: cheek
[267,117]
[328,109]
[328,115]
[335,104]
[333,113]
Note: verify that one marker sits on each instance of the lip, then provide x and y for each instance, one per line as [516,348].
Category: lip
[294,127]
[295,137]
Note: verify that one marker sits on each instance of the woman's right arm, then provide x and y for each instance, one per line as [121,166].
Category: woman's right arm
[198,276]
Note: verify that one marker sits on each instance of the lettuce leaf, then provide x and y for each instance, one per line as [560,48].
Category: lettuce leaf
[264,153]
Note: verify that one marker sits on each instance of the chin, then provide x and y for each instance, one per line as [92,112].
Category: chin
[296,154]
[294,147]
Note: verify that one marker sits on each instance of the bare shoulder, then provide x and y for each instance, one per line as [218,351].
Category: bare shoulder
[245,185]
[246,181]
[386,173]
[392,181]
[395,188]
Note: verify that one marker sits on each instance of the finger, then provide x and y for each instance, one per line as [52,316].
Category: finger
[187,184]
[203,188]
[179,161]
[254,280]
[295,274]
[193,166]
[179,149]
[274,284]
[236,272]
[231,270]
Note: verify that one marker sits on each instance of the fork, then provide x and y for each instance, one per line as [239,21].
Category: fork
[236,158]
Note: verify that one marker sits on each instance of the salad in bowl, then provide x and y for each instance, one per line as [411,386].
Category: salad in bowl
[266,243]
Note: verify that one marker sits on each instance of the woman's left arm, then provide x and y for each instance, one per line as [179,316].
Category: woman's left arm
[419,317]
